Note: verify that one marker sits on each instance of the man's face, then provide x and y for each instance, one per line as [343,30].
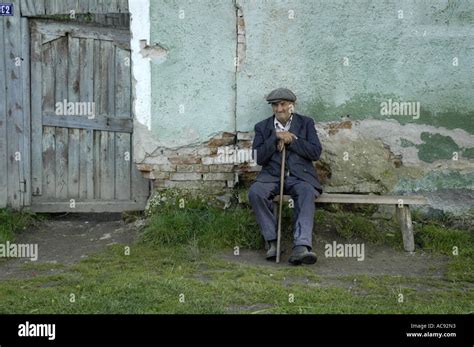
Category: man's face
[282,110]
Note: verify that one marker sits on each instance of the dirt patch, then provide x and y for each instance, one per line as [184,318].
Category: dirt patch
[66,239]
[378,260]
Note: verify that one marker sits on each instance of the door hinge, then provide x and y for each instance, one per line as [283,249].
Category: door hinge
[23,186]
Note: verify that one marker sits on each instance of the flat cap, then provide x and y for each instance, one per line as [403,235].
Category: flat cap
[281,94]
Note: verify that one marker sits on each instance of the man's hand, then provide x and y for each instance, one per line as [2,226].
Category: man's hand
[280,145]
[285,137]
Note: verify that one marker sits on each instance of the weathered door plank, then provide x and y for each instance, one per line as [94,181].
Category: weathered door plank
[3,124]
[122,140]
[107,107]
[86,89]
[46,102]
[14,109]
[26,81]
[73,96]
[36,108]
[62,134]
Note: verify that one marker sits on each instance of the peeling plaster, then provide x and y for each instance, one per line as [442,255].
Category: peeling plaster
[141,70]
[382,152]
[391,133]
[144,144]
[156,53]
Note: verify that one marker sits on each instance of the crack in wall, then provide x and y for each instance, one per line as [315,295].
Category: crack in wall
[239,55]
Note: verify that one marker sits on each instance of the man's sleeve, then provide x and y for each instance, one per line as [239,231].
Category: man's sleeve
[309,148]
[262,148]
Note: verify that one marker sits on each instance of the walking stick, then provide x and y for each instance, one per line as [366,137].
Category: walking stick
[282,183]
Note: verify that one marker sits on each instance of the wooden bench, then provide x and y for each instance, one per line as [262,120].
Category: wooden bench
[402,204]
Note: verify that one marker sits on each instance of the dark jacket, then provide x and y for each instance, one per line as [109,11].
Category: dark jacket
[300,154]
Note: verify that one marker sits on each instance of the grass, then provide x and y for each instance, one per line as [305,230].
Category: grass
[176,256]
[457,244]
[151,280]
[12,223]
[208,227]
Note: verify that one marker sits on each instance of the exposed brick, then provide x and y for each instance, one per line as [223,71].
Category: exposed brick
[188,176]
[161,175]
[192,168]
[221,168]
[226,134]
[145,167]
[209,185]
[164,167]
[209,160]
[218,176]
[245,135]
[185,159]
[220,142]
[245,144]
[148,175]
[225,139]
[226,150]
[246,167]
[156,175]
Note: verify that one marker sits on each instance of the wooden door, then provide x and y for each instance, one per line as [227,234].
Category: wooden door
[81,120]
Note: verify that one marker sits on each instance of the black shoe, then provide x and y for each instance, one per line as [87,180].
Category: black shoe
[272,251]
[301,255]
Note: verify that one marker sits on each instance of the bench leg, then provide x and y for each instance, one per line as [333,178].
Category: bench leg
[404,218]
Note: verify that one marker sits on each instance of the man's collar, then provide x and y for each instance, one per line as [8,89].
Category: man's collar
[295,123]
[277,122]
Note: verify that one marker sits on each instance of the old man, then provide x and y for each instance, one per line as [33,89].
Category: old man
[297,132]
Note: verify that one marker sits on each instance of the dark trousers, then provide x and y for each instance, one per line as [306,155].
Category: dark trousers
[303,194]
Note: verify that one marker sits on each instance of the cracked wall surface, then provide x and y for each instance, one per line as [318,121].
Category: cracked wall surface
[355,68]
